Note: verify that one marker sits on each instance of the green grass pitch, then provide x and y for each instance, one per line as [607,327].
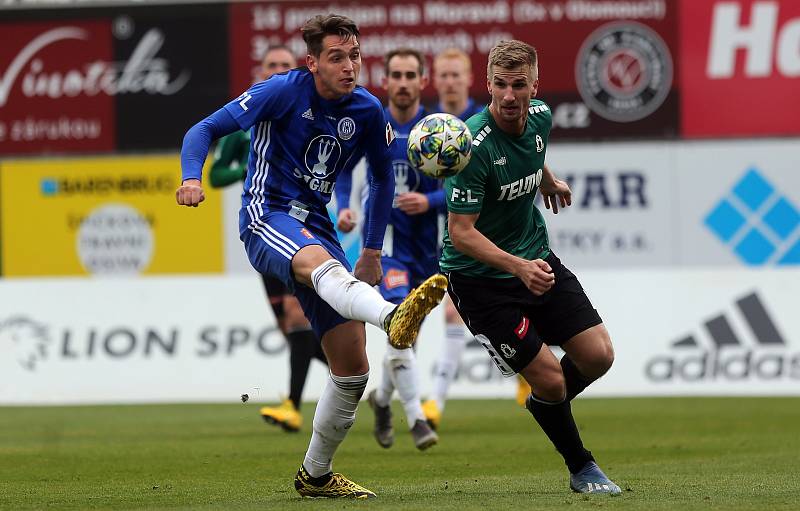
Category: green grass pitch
[668,453]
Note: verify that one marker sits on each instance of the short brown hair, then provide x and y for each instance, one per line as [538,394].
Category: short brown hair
[453,53]
[321,25]
[404,52]
[511,54]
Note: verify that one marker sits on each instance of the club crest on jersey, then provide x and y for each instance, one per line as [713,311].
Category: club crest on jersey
[346,128]
[395,278]
[406,179]
[322,155]
[389,134]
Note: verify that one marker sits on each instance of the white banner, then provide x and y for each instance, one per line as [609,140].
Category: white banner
[676,332]
[678,203]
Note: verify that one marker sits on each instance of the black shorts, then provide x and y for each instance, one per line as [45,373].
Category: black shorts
[512,323]
[276,290]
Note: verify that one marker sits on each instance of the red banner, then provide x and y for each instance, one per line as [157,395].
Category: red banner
[736,53]
[52,87]
[606,68]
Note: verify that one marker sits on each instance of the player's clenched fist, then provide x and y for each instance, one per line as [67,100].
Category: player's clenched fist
[190,193]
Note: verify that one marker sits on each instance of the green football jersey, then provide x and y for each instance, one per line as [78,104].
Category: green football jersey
[500,183]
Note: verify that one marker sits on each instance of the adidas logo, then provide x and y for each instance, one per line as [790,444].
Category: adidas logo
[500,161]
[728,357]
[308,114]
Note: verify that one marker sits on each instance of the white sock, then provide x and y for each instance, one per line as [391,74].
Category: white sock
[350,297]
[383,394]
[335,414]
[447,365]
[405,376]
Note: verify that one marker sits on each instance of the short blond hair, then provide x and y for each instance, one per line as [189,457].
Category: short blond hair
[512,54]
[453,53]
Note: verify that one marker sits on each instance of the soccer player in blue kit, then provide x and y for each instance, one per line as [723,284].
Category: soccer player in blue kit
[308,125]
[410,247]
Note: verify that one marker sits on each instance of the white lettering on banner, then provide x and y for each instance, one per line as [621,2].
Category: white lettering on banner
[31,129]
[364,15]
[472,13]
[143,72]
[728,35]
[571,115]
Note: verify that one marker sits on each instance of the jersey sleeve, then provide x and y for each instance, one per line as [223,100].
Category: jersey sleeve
[379,140]
[464,192]
[270,99]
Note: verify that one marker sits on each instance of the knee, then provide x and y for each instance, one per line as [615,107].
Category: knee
[604,359]
[551,387]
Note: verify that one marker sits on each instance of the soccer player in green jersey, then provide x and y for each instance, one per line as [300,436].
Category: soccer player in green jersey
[511,290]
[228,167]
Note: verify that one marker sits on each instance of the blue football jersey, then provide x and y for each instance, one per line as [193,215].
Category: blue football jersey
[412,239]
[300,142]
[472,109]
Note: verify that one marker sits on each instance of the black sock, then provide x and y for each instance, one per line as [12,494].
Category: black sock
[319,353]
[575,380]
[317,481]
[303,346]
[558,424]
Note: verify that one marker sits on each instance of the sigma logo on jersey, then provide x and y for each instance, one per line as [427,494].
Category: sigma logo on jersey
[624,71]
[322,155]
[346,128]
[406,179]
[395,278]
[520,187]
[481,135]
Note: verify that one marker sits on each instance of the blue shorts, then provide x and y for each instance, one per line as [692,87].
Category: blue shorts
[272,243]
[399,279]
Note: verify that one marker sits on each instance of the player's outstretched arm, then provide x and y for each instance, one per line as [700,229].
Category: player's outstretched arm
[537,274]
[195,150]
[554,191]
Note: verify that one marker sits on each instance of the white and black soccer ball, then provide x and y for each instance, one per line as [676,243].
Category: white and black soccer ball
[439,145]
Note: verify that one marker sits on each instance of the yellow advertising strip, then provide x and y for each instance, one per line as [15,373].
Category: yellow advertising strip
[104,216]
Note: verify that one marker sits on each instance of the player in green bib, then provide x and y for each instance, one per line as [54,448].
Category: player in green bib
[513,293]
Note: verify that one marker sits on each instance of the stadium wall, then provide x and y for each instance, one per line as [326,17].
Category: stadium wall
[171,339]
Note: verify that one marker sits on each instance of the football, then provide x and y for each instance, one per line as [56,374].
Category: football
[439,145]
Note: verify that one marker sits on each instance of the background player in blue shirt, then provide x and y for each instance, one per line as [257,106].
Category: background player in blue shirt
[411,244]
[308,125]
